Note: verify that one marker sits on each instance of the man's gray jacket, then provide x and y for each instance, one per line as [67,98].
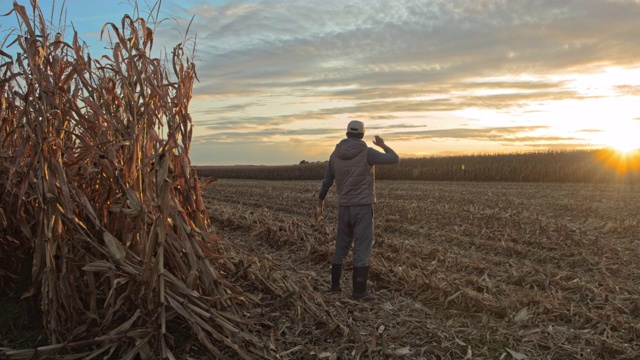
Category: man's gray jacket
[352,167]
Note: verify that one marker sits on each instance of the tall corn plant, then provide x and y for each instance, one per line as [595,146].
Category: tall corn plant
[97,183]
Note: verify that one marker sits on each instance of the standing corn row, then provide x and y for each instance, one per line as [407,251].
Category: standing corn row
[97,183]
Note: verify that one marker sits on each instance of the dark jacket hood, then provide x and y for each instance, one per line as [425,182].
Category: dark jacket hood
[347,149]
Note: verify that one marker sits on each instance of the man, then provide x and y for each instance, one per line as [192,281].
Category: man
[352,167]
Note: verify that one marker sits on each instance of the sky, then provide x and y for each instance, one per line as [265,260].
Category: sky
[280,79]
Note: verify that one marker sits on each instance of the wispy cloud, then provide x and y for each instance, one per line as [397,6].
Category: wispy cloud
[401,43]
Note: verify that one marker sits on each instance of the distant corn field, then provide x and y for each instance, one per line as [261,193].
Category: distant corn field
[579,166]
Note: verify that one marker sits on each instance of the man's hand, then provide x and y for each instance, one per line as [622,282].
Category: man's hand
[378,141]
[318,213]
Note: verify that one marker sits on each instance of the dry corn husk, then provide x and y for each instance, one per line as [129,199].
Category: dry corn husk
[98,186]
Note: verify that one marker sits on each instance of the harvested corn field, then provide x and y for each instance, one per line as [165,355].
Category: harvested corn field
[461,270]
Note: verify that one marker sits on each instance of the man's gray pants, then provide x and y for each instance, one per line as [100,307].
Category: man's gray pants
[355,225]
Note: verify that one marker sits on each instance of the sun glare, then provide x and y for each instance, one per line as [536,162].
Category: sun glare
[624,143]
[626,148]
[624,162]
[623,139]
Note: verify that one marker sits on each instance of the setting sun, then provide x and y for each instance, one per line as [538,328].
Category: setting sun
[624,143]
[622,138]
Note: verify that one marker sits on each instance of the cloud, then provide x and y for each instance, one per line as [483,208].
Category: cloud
[254,48]
[628,90]
[259,153]
[263,135]
[502,134]
[275,134]
[485,134]
[371,44]
[274,70]
[261,147]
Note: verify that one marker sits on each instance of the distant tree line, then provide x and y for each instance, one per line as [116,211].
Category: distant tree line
[305,162]
[579,166]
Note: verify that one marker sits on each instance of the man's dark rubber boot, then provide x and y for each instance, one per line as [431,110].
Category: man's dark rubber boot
[360,277]
[336,272]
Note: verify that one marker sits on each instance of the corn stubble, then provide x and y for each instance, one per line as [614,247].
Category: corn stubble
[97,184]
[473,270]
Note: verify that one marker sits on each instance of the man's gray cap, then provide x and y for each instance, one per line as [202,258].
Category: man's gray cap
[355,126]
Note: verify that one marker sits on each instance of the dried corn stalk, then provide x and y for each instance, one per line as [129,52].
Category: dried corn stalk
[97,183]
